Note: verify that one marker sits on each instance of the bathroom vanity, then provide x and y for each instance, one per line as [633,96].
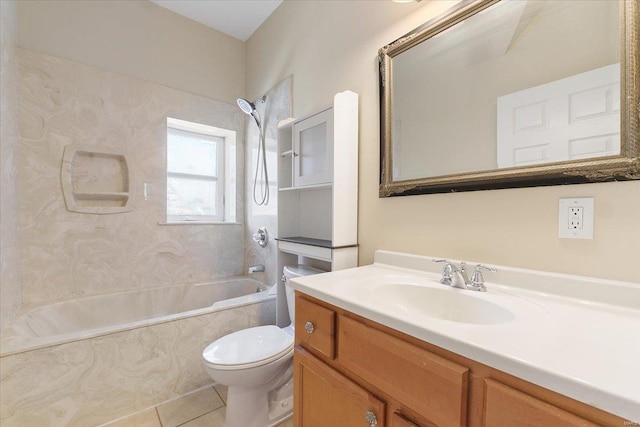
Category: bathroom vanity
[388,345]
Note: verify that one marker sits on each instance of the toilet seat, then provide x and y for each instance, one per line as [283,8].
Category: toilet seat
[248,348]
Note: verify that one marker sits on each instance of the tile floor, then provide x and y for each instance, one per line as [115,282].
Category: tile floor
[201,408]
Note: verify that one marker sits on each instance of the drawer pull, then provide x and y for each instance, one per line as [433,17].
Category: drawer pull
[371,419]
[309,327]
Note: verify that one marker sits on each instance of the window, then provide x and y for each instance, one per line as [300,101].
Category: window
[201,173]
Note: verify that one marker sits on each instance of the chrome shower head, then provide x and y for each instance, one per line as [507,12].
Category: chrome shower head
[246,106]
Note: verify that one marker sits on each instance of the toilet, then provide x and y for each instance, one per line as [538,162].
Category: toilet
[257,366]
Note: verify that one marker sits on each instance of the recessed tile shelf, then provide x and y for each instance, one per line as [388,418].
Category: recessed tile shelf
[97,180]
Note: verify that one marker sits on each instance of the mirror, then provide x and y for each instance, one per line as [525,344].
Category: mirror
[502,94]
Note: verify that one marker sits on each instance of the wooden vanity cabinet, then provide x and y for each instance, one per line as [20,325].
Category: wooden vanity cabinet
[505,406]
[356,372]
[324,397]
[431,386]
[398,420]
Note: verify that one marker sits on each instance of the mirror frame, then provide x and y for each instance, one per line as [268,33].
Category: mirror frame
[625,166]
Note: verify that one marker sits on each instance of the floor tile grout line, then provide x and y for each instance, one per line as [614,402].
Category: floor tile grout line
[200,416]
[219,395]
[155,408]
[223,405]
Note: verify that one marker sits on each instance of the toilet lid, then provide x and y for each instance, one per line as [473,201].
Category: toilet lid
[248,347]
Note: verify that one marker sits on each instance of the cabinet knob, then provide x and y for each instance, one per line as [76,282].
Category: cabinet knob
[371,419]
[309,327]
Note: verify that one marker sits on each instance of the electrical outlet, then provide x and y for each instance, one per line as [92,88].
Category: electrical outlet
[575,219]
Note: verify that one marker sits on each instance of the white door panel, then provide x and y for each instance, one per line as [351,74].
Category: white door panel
[573,118]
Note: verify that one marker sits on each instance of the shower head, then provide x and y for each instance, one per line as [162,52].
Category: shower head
[249,108]
[246,106]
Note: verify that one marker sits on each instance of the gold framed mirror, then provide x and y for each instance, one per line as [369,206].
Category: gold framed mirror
[502,94]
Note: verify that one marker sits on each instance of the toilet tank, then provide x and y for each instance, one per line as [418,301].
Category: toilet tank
[291,272]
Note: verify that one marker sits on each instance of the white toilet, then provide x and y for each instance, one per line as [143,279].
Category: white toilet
[257,366]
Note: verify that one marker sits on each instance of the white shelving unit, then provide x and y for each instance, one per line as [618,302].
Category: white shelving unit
[318,188]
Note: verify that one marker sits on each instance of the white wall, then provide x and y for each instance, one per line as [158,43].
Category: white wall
[137,38]
[10,272]
[329,46]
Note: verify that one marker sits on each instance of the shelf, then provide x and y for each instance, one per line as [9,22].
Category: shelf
[321,243]
[286,123]
[97,180]
[101,196]
[318,209]
[308,187]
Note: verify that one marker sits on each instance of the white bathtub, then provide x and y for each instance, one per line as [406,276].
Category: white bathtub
[87,317]
[94,359]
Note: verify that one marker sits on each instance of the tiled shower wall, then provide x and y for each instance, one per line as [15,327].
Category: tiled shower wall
[276,107]
[67,255]
[10,290]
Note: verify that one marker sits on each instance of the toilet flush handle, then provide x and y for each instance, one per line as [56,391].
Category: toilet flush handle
[309,327]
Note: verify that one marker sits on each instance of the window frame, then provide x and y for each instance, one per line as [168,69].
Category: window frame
[223,138]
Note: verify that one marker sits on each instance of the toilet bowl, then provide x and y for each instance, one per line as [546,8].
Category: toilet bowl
[257,366]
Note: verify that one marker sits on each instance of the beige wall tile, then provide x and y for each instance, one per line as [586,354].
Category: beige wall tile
[68,255]
[10,246]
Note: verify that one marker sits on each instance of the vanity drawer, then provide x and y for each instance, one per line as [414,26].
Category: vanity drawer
[505,406]
[433,387]
[315,327]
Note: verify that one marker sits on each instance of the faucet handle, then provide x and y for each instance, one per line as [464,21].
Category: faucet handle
[447,271]
[448,264]
[477,280]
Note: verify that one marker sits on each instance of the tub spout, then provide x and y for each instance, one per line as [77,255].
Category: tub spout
[256,268]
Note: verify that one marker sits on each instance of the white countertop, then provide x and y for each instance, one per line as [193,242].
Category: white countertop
[574,335]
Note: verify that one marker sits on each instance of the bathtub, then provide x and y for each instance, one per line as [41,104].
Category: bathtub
[94,359]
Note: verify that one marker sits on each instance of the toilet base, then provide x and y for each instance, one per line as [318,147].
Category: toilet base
[262,406]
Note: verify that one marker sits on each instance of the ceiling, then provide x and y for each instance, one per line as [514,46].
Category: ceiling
[237,18]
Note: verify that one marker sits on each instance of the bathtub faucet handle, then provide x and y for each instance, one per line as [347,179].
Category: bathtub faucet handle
[261,237]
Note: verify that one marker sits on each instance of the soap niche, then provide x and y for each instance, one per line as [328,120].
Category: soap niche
[97,180]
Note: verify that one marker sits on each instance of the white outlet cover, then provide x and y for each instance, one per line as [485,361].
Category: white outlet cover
[564,231]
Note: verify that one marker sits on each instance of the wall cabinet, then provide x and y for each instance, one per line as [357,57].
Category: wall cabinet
[318,189]
[350,371]
[313,149]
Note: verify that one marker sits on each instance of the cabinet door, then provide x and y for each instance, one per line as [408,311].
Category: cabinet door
[433,387]
[400,421]
[506,407]
[323,397]
[313,150]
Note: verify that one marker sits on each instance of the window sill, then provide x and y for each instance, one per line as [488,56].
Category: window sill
[199,223]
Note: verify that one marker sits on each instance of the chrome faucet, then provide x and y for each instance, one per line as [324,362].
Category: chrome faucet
[457,277]
[256,268]
[452,276]
[477,280]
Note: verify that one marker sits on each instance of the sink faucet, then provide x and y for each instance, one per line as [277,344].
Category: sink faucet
[452,276]
[457,277]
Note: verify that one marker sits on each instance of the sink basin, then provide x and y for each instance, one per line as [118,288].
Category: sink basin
[448,304]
